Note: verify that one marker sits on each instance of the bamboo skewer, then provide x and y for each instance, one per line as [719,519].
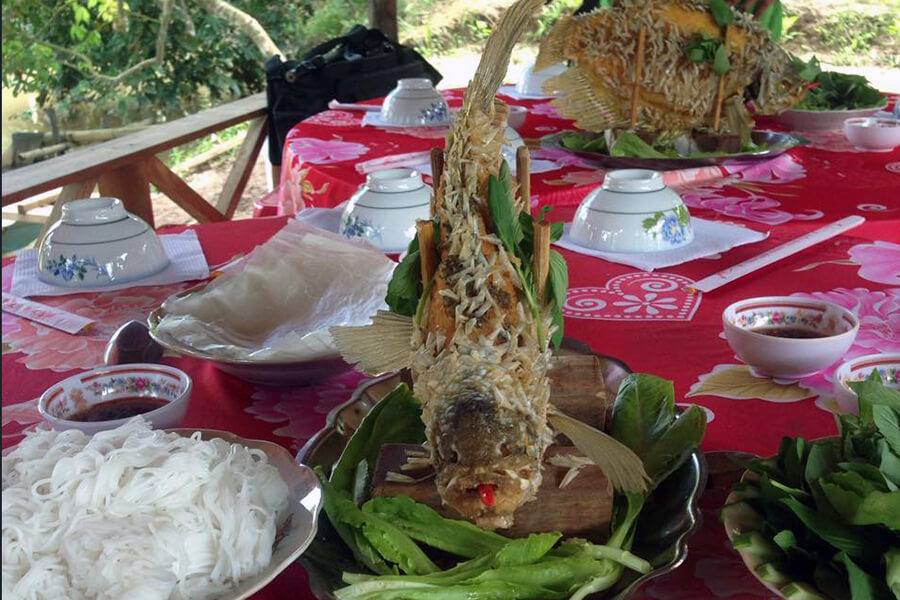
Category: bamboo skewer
[523,177]
[426,249]
[541,259]
[721,89]
[638,69]
[437,172]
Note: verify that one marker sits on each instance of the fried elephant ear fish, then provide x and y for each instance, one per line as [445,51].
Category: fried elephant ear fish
[478,348]
[675,94]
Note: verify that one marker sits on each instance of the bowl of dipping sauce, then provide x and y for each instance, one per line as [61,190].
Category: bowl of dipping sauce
[859,369]
[873,134]
[107,397]
[789,337]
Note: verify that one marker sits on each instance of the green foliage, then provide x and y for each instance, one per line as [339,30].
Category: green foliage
[69,53]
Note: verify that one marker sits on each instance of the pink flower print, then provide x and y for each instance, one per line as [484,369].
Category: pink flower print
[649,303]
[879,262]
[546,109]
[140,383]
[776,317]
[561,158]
[879,329]
[584,177]
[781,169]
[47,348]
[325,152]
[335,118]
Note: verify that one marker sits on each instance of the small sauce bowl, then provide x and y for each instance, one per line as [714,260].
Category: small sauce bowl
[872,133]
[764,332]
[859,369]
[115,391]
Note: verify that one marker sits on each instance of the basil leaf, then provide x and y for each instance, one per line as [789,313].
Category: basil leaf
[721,11]
[403,290]
[721,63]
[556,231]
[559,285]
[872,392]
[887,421]
[503,211]
[773,20]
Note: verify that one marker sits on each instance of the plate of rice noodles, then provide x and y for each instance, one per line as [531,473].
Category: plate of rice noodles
[142,514]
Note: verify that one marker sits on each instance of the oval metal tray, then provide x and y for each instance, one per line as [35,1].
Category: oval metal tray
[670,516]
[775,143]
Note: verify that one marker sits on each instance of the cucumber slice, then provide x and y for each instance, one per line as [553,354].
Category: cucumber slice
[755,545]
[801,591]
[740,517]
[770,574]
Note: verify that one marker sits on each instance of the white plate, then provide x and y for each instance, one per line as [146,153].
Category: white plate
[298,529]
[262,372]
[823,120]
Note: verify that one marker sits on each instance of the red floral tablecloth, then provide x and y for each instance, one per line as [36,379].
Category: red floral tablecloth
[646,319]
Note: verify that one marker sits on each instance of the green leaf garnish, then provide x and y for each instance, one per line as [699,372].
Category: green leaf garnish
[406,282]
[722,12]
[773,20]
[721,63]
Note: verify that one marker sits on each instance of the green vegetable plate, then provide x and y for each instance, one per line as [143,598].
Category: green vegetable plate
[823,120]
[669,517]
[770,143]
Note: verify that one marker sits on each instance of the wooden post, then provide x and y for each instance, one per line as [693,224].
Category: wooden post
[383,16]
[638,69]
[243,166]
[541,259]
[130,185]
[523,177]
[426,249]
[437,173]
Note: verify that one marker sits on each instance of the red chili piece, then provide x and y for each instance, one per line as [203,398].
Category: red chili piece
[486,491]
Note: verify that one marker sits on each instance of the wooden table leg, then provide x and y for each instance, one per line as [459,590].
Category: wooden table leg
[130,185]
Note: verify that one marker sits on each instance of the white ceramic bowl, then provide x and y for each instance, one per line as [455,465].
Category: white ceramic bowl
[532,82]
[880,135]
[109,384]
[516,116]
[858,369]
[385,209]
[633,211]
[822,120]
[787,357]
[415,102]
[96,243]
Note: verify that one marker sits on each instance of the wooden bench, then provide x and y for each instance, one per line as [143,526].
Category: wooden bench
[125,167]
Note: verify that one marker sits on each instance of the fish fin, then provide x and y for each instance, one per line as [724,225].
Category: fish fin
[552,48]
[582,101]
[619,463]
[380,347]
[495,59]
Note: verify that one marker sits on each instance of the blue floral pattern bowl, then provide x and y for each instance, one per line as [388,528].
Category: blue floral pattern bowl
[96,243]
[633,211]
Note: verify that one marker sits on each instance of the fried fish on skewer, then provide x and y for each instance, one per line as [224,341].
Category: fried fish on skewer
[676,94]
[479,345]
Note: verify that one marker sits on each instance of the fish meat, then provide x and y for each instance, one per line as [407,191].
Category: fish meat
[674,93]
[478,348]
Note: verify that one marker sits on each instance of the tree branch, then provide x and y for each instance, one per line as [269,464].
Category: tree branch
[245,23]
[164,19]
[186,15]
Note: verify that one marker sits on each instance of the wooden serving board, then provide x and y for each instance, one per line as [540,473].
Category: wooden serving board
[584,507]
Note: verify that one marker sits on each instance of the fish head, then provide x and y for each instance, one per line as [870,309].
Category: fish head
[781,86]
[487,457]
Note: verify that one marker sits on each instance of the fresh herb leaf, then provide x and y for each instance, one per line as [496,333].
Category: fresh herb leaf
[503,211]
[892,570]
[864,586]
[676,443]
[721,63]
[849,538]
[872,392]
[839,91]
[395,419]
[722,12]
[644,408]
[559,284]
[406,281]
[887,421]
[630,144]
[773,20]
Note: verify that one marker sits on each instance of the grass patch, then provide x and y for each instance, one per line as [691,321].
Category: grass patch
[179,154]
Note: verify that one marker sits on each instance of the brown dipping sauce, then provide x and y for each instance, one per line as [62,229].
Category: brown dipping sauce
[789,332]
[120,408]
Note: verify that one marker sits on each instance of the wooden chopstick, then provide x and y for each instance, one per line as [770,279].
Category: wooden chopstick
[638,69]
[426,249]
[523,177]
[437,173]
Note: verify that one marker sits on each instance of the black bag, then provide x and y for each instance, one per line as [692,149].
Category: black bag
[361,65]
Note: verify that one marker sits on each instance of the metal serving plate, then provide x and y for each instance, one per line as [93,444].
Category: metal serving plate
[670,516]
[775,143]
[273,373]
